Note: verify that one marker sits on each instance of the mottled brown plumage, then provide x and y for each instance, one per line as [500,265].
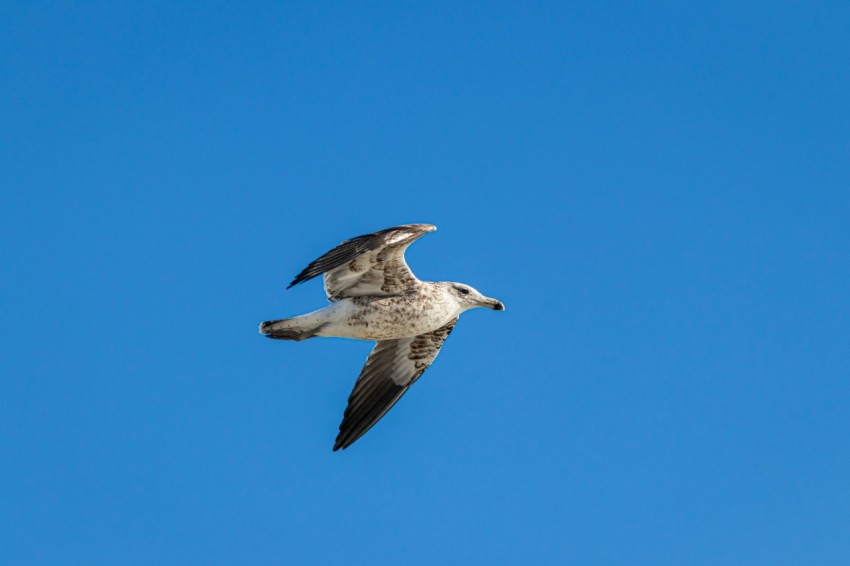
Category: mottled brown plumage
[375,296]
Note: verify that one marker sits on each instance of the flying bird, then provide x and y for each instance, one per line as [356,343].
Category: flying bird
[375,296]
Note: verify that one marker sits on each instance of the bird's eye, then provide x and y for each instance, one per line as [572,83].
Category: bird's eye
[464,291]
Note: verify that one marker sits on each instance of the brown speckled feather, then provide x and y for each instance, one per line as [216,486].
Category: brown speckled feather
[368,265]
[390,370]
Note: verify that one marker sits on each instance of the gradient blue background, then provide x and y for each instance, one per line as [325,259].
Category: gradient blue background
[659,192]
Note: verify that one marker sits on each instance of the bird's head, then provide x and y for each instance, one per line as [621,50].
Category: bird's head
[468,298]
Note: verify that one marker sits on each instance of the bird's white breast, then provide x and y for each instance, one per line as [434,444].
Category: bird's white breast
[389,318]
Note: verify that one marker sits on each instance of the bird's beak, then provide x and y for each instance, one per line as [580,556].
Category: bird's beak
[493,304]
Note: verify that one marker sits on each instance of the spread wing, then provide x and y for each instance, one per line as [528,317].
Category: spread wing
[372,264]
[390,370]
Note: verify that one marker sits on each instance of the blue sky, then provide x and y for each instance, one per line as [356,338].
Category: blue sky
[657,191]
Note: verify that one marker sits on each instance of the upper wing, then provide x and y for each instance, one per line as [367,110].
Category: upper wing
[372,264]
[390,370]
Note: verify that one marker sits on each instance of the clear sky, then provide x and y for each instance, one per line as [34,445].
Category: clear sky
[659,193]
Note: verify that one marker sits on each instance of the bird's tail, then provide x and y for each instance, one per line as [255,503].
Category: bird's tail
[289,329]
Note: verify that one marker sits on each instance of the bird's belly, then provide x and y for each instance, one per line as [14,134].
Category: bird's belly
[387,320]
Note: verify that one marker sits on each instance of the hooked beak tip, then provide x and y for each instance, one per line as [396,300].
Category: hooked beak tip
[498,306]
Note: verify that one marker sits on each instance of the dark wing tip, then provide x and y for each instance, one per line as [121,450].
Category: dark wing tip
[367,404]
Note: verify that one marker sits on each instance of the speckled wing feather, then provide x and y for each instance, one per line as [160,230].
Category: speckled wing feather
[371,265]
[390,370]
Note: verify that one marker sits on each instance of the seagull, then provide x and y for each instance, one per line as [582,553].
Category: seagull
[375,296]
